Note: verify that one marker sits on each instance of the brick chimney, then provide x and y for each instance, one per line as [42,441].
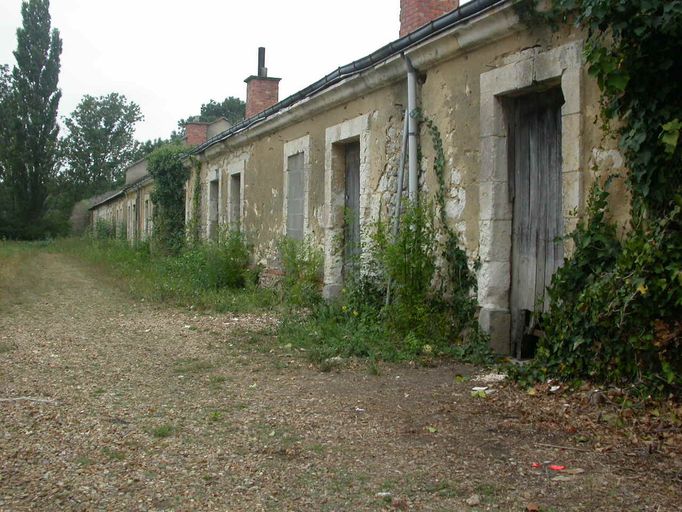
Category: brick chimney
[196,133]
[417,13]
[262,91]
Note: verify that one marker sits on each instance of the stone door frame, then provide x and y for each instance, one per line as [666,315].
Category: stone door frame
[524,71]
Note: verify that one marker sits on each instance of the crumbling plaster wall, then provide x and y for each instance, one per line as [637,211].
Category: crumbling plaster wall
[450,94]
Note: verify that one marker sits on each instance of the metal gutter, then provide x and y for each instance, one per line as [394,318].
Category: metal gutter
[106,200]
[132,186]
[447,21]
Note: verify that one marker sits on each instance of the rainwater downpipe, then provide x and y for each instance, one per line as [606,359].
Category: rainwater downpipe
[410,140]
[413,173]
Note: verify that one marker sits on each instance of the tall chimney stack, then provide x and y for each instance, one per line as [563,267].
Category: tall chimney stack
[196,133]
[417,13]
[262,91]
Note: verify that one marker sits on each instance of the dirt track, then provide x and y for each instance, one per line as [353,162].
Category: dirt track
[152,408]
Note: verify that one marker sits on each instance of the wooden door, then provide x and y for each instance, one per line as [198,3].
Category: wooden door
[352,206]
[295,196]
[535,183]
[235,201]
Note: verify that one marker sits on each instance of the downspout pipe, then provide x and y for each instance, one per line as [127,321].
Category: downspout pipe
[412,134]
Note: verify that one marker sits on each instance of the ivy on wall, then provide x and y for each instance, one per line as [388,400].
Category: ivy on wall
[616,309]
[167,169]
[194,224]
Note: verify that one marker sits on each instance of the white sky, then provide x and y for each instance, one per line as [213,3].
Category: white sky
[171,56]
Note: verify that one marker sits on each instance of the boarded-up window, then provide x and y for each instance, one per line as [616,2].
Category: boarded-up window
[235,201]
[295,196]
[213,209]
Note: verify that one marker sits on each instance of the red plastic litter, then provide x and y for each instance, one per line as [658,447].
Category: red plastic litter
[557,468]
[535,465]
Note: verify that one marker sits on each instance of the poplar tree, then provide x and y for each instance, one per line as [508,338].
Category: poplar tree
[30,135]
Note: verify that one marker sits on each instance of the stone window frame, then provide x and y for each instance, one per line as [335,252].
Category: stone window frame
[291,148]
[352,130]
[523,72]
[237,167]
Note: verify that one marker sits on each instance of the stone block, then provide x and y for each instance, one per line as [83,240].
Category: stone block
[492,117]
[509,78]
[547,66]
[493,199]
[571,88]
[495,239]
[494,161]
[497,323]
[571,130]
[571,193]
[494,279]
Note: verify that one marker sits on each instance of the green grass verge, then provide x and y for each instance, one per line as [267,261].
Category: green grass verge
[182,280]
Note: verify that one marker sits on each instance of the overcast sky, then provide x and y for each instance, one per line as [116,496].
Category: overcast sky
[170,56]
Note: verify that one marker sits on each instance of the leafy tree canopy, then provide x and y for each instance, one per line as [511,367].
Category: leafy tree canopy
[100,143]
[230,108]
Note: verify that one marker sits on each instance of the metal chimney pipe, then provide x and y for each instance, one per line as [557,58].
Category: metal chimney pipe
[262,70]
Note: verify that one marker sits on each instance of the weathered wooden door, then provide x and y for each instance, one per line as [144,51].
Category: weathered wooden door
[352,206]
[235,201]
[295,196]
[213,187]
[535,186]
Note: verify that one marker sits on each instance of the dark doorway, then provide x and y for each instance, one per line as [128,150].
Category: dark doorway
[351,207]
[235,201]
[535,183]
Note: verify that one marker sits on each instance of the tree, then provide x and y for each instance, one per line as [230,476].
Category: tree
[231,108]
[100,143]
[29,134]
[5,88]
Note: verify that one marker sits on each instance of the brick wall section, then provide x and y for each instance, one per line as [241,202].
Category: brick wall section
[261,93]
[195,133]
[417,13]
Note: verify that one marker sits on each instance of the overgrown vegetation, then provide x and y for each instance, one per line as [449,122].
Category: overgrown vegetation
[431,311]
[167,169]
[616,310]
[214,276]
[302,267]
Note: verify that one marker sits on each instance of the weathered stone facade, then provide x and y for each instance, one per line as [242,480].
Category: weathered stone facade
[466,73]
[474,63]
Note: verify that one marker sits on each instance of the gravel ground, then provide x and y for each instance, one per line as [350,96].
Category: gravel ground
[110,404]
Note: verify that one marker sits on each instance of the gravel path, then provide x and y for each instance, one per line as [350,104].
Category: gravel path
[109,404]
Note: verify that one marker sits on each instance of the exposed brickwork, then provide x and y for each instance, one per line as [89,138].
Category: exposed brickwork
[261,93]
[417,13]
[195,133]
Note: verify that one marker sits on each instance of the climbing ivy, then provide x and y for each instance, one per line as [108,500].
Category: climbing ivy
[616,306]
[194,225]
[167,169]
[457,279]
[633,51]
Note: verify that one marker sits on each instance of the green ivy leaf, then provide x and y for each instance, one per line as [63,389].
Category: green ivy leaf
[670,134]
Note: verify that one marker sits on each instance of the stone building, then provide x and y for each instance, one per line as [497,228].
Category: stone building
[518,114]
[129,211]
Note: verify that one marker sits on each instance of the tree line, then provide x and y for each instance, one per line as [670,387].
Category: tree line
[44,173]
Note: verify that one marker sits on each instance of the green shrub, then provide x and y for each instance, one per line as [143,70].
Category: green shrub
[213,266]
[616,309]
[104,230]
[301,284]
[213,277]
